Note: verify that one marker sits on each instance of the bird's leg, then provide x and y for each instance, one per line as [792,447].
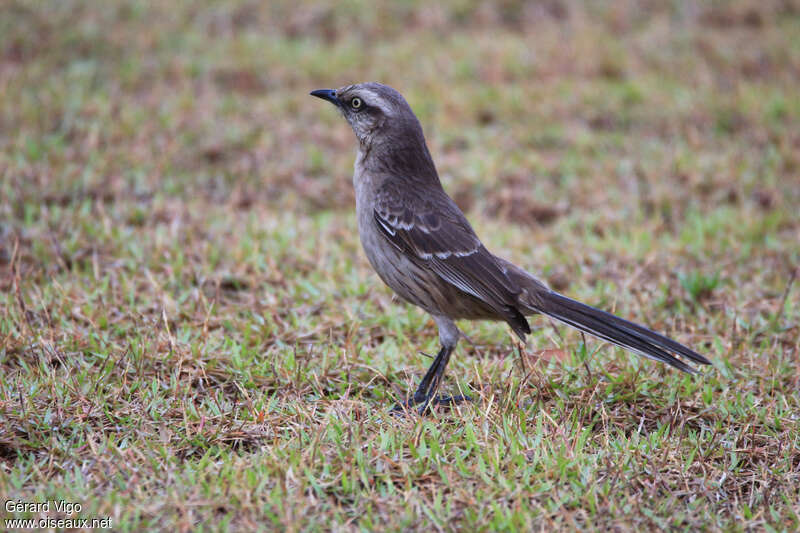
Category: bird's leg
[426,392]
[433,377]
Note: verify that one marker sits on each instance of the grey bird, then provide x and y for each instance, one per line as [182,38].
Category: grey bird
[422,246]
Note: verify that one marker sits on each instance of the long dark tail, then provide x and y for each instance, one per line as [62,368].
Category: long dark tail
[616,330]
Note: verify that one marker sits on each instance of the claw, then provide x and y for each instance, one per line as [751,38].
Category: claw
[445,401]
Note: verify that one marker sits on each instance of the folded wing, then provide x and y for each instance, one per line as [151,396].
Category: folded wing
[432,229]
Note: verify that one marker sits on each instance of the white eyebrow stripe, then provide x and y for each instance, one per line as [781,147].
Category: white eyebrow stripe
[374,99]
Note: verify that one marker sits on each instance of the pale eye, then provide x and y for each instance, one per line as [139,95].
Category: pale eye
[356,103]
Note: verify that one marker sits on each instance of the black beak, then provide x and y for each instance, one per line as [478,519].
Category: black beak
[326,94]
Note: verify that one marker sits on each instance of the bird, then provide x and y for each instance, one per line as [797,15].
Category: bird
[421,245]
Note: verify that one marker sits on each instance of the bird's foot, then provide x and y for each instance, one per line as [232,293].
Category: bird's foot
[421,405]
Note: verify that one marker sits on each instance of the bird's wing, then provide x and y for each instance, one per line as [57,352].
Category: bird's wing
[429,226]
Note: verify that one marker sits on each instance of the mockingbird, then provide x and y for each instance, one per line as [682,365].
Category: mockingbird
[422,246]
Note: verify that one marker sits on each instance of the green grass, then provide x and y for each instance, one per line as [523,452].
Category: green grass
[191,337]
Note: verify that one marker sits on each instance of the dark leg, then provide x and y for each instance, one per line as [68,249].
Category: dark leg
[426,392]
[433,378]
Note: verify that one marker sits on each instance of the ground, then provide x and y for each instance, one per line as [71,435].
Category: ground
[190,334]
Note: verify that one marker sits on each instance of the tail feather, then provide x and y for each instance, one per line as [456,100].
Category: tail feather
[617,330]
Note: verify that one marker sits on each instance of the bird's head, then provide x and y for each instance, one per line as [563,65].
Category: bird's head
[374,111]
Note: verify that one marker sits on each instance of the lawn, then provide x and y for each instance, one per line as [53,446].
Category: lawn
[192,338]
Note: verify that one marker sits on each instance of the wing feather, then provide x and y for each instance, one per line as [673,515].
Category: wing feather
[430,228]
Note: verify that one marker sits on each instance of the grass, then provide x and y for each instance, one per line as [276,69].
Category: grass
[191,337]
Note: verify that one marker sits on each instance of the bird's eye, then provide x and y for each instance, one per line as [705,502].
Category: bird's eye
[356,103]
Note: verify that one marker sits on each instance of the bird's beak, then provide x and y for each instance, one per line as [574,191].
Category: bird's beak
[327,94]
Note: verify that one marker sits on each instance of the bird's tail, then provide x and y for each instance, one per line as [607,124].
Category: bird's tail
[616,330]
